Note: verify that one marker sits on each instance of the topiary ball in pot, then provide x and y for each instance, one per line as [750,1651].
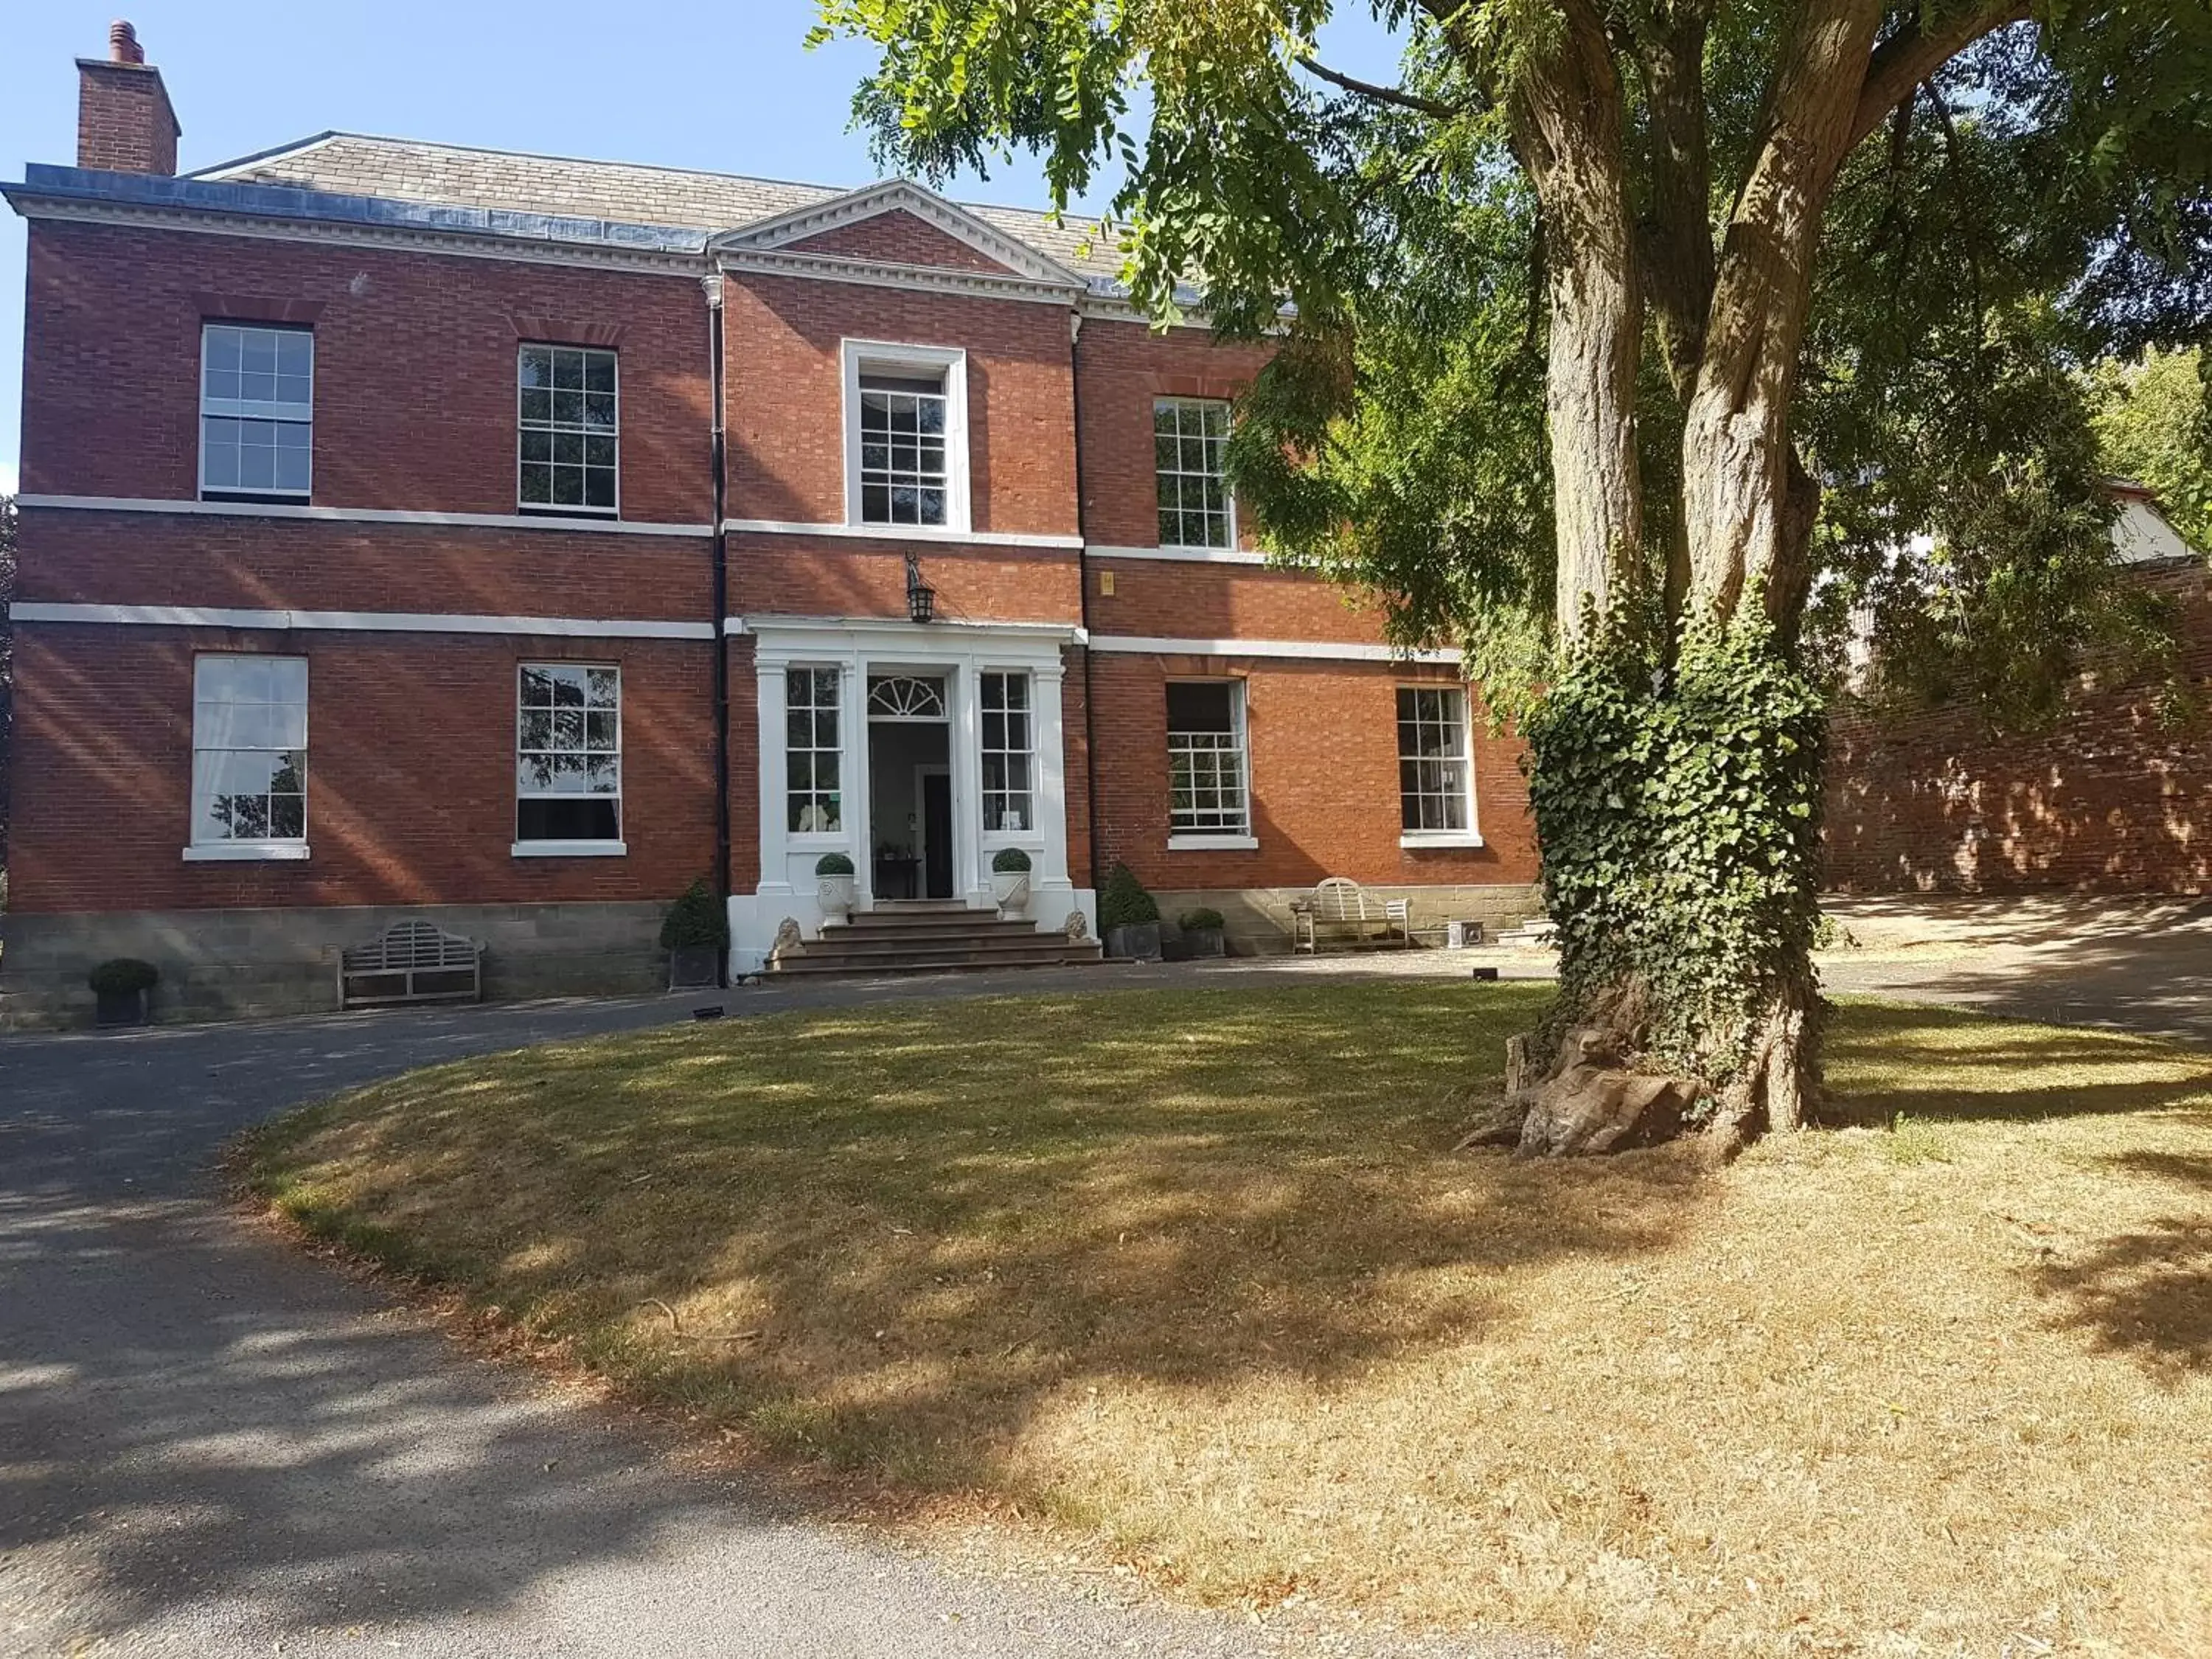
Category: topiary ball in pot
[695,933]
[122,988]
[1128,916]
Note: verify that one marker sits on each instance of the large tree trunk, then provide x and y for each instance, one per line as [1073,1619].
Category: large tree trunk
[1676,782]
[1567,128]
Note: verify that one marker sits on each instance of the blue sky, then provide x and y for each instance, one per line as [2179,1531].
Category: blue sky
[730,88]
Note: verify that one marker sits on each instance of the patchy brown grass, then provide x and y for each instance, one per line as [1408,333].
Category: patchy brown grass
[1193,1277]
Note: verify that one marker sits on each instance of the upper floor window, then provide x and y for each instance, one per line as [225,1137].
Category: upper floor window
[906,438]
[1436,772]
[1208,793]
[249,758]
[257,409]
[567,772]
[569,427]
[1190,437]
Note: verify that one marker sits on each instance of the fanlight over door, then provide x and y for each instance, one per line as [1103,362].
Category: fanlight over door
[905,697]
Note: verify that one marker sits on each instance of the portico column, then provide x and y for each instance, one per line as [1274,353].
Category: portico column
[1052,774]
[774,864]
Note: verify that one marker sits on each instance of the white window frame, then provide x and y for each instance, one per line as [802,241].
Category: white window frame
[1228,496]
[615,848]
[1216,840]
[245,408]
[839,838]
[994,837]
[532,508]
[887,357]
[230,849]
[1471,835]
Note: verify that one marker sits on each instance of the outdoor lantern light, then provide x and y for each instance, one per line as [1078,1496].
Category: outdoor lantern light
[920,597]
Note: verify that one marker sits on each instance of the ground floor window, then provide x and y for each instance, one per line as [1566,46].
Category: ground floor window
[1207,779]
[568,775]
[1434,770]
[812,752]
[249,751]
[1007,747]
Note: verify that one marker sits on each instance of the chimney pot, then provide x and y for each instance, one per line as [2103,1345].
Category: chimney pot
[123,45]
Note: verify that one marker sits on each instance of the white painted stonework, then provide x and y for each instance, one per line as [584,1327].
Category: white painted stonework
[961,653]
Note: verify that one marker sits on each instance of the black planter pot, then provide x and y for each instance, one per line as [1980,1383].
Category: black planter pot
[1204,942]
[1135,942]
[122,1007]
[695,967]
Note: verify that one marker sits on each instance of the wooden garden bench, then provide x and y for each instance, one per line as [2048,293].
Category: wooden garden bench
[1347,913]
[411,962]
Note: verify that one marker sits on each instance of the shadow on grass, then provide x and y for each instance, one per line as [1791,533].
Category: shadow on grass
[1948,1065]
[918,1223]
[2149,1292]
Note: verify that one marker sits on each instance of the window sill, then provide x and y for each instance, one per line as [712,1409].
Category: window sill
[1197,844]
[906,533]
[247,852]
[1414,840]
[268,497]
[569,849]
[539,510]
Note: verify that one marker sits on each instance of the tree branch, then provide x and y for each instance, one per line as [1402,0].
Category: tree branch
[1398,96]
[1909,57]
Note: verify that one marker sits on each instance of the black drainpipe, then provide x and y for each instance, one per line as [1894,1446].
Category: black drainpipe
[1082,573]
[721,604]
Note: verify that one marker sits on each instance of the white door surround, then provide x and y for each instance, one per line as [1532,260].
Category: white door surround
[958,654]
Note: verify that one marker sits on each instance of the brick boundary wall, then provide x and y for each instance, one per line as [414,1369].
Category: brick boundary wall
[2109,800]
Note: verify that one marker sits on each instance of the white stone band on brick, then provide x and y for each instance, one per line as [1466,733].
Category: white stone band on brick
[1309,650]
[366,622]
[898,627]
[364,515]
[886,533]
[1180,554]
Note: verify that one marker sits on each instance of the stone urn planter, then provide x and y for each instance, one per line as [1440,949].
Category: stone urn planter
[122,991]
[833,887]
[1010,881]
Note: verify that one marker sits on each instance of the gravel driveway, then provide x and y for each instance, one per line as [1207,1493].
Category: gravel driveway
[212,1445]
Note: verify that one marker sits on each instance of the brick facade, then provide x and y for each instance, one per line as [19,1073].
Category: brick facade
[414,584]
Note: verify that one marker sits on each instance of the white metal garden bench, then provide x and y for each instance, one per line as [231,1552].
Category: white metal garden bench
[411,962]
[1347,913]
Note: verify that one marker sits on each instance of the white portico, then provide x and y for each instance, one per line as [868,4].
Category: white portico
[918,751]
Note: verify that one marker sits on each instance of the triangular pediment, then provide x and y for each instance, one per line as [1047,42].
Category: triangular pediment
[898,222]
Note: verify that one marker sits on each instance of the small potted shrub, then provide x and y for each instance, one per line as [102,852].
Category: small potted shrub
[1010,880]
[833,885]
[1128,917]
[124,986]
[695,933]
[1203,931]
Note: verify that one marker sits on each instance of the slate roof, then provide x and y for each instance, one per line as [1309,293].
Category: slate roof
[355,164]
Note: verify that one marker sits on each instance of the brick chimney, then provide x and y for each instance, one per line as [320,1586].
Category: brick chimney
[123,121]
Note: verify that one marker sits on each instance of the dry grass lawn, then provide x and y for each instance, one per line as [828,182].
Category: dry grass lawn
[1190,1280]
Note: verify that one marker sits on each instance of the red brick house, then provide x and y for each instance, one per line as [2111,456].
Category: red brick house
[412,529]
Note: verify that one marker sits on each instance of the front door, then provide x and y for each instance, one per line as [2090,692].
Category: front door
[937,834]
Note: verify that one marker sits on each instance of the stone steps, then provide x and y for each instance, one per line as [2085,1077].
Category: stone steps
[930,938]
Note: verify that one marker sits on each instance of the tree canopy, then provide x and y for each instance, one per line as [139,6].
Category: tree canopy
[2022,190]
